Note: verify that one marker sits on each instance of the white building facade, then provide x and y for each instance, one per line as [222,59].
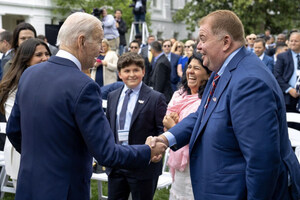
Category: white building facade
[36,12]
[161,17]
[39,13]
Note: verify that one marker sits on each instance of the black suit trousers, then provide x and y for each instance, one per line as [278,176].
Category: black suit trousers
[120,186]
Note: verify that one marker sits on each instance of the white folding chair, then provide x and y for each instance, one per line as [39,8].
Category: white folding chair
[293,117]
[165,179]
[294,134]
[5,184]
[101,177]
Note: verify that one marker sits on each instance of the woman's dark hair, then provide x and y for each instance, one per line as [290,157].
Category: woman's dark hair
[19,63]
[184,82]
[20,27]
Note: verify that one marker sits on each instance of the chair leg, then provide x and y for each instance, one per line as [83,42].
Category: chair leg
[100,191]
[2,181]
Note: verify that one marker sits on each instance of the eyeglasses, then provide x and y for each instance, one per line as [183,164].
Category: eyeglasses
[167,46]
[133,47]
[187,46]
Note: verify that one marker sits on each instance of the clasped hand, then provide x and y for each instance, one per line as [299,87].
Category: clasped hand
[170,120]
[158,147]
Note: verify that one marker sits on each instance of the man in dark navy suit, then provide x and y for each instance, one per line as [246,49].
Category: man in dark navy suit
[159,76]
[286,71]
[58,124]
[259,50]
[173,59]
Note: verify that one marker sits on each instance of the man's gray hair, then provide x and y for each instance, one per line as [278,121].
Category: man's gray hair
[76,24]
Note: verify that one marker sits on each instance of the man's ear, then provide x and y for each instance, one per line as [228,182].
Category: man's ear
[81,41]
[226,42]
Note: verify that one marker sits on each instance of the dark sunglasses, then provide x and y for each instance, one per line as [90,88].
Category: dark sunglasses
[133,47]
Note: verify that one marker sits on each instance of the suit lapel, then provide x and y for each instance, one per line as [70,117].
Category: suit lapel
[141,102]
[221,87]
[291,61]
[113,109]
[201,110]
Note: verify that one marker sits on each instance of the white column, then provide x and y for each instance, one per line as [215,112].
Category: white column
[38,22]
[1,26]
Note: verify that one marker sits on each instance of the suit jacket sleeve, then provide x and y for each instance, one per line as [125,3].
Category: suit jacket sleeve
[254,117]
[98,136]
[279,72]
[161,77]
[184,129]
[270,64]
[160,111]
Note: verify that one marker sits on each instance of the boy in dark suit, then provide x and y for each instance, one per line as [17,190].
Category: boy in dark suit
[135,112]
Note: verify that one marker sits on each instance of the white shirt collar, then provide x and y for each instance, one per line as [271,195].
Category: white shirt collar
[294,53]
[261,57]
[69,56]
[134,90]
[6,53]
[228,59]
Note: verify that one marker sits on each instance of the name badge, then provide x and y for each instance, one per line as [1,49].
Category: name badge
[123,135]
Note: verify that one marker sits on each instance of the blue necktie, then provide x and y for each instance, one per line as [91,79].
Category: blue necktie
[122,117]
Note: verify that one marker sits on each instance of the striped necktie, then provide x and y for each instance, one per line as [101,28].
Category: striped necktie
[212,90]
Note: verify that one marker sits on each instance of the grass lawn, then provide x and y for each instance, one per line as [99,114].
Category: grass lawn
[162,194]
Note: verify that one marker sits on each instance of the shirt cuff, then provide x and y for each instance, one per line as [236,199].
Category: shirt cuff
[287,91]
[171,138]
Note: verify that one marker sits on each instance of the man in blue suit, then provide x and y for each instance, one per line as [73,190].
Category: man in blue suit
[286,70]
[173,59]
[145,111]
[57,122]
[259,50]
[238,139]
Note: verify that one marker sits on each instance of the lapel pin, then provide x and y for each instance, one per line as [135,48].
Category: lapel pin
[214,99]
[141,101]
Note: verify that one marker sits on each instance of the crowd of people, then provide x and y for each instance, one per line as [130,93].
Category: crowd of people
[218,102]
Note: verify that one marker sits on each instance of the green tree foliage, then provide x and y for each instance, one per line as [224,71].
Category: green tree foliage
[65,7]
[256,15]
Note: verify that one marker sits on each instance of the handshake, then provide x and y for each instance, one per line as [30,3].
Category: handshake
[158,147]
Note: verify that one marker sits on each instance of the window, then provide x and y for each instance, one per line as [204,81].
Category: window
[154,3]
[175,35]
[159,34]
